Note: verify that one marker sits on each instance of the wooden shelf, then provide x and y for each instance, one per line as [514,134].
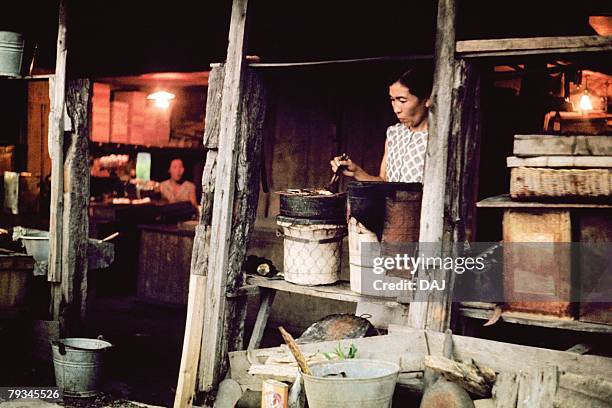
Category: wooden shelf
[535,45]
[483,312]
[504,201]
[337,291]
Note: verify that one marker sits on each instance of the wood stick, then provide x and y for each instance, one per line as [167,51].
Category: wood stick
[295,350]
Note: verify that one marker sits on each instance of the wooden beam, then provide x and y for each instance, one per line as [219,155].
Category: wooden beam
[56,151]
[196,303]
[75,225]
[534,45]
[450,168]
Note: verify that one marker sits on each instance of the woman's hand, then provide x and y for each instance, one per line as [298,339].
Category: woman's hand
[350,169]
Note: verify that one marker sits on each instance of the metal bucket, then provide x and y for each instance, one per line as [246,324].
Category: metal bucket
[11,53]
[367,384]
[79,365]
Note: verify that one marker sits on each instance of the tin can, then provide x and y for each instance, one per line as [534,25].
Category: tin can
[274,394]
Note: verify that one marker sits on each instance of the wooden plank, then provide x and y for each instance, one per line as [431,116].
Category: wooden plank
[529,319]
[533,45]
[554,145]
[186,384]
[39,162]
[560,161]
[337,291]
[267,298]
[196,303]
[56,149]
[538,387]
[504,201]
[506,356]
[75,225]
[577,391]
[505,391]
[476,380]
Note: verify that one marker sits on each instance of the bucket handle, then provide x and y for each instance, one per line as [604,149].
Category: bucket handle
[62,346]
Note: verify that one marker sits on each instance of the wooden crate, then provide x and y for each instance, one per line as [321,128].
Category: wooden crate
[540,283]
[119,122]
[100,113]
[595,227]
[164,263]
[15,274]
[136,114]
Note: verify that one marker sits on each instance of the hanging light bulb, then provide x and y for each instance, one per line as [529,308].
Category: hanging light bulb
[585,102]
[161,98]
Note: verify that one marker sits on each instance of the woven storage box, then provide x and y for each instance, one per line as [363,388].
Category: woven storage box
[529,182]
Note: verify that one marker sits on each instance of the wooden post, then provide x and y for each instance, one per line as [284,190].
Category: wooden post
[450,168]
[234,122]
[75,231]
[56,151]
[186,386]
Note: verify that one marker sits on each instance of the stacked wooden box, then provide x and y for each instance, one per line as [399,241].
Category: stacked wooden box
[119,122]
[136,105]
[157,125]
[568,180]
[101,113]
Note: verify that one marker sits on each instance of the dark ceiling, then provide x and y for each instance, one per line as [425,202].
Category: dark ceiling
[124,37]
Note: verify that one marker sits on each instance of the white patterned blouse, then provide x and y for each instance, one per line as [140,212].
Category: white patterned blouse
[405,154]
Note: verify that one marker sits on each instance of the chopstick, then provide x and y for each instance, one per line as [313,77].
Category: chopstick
[339,170]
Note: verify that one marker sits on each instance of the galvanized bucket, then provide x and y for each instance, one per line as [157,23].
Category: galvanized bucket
[79,365]
[11,53]
[357,383]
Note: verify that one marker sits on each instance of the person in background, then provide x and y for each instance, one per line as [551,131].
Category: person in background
[175,189]
[406,144]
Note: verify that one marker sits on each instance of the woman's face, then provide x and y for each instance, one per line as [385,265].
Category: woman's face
[176,170]
[409,109]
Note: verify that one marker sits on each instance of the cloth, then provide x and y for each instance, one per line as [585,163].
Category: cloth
[405,154]
[175,195]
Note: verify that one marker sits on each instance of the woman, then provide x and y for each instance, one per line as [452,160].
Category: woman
[406,143]
[176,190]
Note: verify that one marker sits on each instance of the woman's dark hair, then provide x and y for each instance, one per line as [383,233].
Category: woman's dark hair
[419,80]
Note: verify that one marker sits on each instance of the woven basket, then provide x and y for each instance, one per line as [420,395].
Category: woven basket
[545,182]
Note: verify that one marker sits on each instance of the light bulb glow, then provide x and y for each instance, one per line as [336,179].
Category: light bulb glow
[585,103]
[161,98]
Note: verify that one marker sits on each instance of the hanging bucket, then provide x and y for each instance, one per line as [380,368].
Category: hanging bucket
[11,53]
[78,365]
[312,252]
[357,383]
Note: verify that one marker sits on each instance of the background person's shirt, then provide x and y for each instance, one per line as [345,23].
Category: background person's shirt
[184,192]
[405,154]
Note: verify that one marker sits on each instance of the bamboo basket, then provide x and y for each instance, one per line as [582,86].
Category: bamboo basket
[530,182]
